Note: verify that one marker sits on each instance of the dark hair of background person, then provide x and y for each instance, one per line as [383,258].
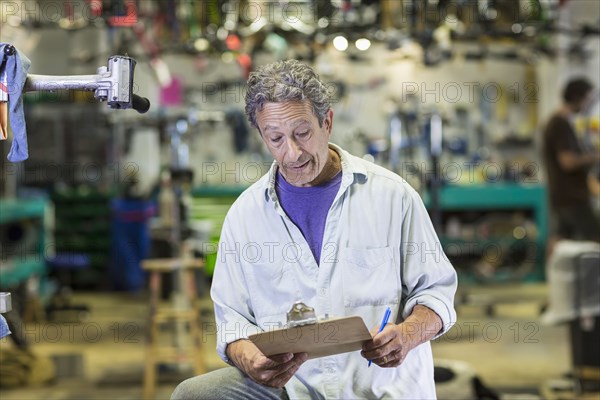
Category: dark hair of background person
[576,90]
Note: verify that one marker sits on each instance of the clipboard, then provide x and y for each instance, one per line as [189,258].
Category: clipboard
[319,337]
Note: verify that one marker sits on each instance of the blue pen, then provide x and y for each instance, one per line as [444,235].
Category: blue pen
[386,318]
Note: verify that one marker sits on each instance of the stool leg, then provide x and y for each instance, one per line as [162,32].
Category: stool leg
[150,368]
[197,354]
[152,338]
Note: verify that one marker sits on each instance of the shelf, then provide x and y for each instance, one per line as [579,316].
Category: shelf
[482,243]
[17,269]
[83,225]
[492,196]
[218,191]
[14,272]
[495,198]
[15,210]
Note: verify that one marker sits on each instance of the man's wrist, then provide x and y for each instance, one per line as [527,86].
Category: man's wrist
[410,333]
[422,325]
[234,351]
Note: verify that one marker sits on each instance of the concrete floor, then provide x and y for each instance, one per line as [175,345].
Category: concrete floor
[498,335]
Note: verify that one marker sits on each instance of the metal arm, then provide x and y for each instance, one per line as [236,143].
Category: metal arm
[113,84]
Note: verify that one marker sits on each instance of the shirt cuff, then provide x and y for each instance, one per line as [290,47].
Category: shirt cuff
[231,332]
[446,313]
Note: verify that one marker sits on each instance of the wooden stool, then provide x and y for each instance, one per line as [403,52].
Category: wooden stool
[182,310]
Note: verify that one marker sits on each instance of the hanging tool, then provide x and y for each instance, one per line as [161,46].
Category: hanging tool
[113,84]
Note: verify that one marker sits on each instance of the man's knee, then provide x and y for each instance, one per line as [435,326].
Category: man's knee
[188,389]
[225,383]
[220,384]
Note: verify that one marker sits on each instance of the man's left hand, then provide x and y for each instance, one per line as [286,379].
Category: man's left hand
[389,348]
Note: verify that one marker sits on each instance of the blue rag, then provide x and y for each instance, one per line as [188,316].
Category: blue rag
[16,69]
[4,331]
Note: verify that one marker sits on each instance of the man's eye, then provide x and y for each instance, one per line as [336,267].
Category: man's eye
[276,139]
[302,134]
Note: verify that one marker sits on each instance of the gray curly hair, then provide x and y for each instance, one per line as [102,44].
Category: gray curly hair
[282,81]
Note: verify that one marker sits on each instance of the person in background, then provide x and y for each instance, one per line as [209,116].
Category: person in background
[341,234]
[568,165]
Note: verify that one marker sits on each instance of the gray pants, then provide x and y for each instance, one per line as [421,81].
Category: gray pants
[226,383]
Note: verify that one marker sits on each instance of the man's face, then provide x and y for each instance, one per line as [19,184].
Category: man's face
[586,103]
[292,134]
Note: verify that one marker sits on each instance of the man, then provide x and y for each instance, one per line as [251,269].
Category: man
[340,234]
[568,166]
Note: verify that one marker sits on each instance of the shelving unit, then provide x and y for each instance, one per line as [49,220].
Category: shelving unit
[211,203]
[23,225]
[497,201]
[83,227]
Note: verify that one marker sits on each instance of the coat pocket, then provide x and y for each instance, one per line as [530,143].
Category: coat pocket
[370,277]
[272,290]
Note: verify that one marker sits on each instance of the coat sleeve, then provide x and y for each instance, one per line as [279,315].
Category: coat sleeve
[233,310]
[428,277]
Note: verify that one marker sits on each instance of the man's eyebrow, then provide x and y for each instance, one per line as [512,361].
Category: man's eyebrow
[269,127]
[300,122]
[293,124]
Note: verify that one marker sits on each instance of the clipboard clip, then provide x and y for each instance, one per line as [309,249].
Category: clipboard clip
[301,314]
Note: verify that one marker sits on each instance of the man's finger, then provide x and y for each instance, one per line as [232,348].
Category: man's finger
[278,359]
[375,331]
[376,354]
[284,376]
[378,341]
[298,359]
[282,379]
[282,358]
[392,359]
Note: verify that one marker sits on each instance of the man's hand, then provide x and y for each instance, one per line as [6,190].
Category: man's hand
[274,371]
[389,348]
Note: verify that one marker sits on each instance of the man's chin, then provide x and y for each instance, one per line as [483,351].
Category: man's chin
[297,179]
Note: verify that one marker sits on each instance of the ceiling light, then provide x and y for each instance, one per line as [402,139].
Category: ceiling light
[363,44]
[323,23]
[517,28]
[227,57]
[491,13]
[340,43]
[201,44]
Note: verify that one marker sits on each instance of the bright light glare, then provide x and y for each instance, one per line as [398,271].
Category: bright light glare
[201,44]
[363,44]
[340,43]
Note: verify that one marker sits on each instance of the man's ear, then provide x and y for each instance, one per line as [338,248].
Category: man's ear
[328,121]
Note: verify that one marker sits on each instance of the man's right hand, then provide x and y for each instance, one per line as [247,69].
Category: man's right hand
[274,371]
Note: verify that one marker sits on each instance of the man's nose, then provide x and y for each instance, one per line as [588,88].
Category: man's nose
[294,151]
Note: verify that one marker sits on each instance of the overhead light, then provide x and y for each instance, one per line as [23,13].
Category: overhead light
[229,25]
[201,44]
[517,28]
[491,13]
[340,43]
[363,44]
[227,57]
[222,33]
[323,23]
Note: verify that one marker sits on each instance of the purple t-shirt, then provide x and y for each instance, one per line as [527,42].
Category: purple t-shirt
[308,207]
